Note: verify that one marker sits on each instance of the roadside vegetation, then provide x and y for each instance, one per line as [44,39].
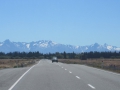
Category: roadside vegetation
[16,63]
[107,64]
[64,55]
[104,60]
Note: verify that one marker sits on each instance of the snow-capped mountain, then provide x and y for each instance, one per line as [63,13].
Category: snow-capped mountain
[46,46]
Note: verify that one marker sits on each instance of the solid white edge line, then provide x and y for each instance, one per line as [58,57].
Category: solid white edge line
[91,86]
[77,77]
[20,78]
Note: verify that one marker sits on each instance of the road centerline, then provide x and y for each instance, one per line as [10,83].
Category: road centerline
[91,86]
[78,77]
[70,72]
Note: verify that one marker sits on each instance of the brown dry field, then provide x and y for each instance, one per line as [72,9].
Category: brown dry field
[14,63]
[108,64]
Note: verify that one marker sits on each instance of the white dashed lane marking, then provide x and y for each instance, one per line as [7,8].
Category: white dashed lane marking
[91,86]
[77,77]
[80,78]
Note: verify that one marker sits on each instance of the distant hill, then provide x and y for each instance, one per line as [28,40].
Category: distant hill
[46,46]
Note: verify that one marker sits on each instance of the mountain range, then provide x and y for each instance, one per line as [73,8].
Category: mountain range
[46,46]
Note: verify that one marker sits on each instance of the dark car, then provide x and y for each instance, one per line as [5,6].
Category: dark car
[54,59]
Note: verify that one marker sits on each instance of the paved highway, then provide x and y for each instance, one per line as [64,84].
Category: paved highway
[58,76]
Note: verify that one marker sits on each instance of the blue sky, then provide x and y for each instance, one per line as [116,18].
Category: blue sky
[76,22]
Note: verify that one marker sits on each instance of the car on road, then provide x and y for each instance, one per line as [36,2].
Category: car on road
[54,59]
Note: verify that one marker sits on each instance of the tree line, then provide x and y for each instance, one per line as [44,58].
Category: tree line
[63,55]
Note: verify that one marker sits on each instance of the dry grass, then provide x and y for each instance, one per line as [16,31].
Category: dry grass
[108,64]
[14,63]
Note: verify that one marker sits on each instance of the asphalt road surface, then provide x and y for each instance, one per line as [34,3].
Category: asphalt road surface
[58,76]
